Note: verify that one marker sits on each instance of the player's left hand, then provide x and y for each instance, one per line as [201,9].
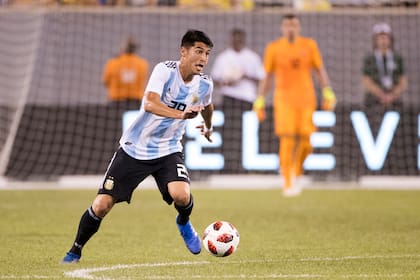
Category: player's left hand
[328,99]
[206,132]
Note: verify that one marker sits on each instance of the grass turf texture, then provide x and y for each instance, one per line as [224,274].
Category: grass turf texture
[319,235]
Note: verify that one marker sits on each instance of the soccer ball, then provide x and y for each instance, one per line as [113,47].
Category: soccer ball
[221,239]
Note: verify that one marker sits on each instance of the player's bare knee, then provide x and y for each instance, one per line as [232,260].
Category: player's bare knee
[181,199]
[180,193]
[102,205]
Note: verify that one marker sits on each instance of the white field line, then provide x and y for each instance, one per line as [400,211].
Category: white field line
[87,273]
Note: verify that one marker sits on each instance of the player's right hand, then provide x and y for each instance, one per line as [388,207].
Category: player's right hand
[192,112]
[259,108]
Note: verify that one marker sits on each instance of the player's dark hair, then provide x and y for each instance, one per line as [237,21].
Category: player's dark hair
[237,31]
[130,46]
[238,39]
[289,16]
[192,36]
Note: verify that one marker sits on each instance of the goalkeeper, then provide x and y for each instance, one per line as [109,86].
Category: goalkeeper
[289,61]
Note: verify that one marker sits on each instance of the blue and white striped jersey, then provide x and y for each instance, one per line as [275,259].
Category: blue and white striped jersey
[152,136]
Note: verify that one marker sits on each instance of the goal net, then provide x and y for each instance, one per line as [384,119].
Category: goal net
[56,120]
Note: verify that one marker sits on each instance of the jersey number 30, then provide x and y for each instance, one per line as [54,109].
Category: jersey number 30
[178,105]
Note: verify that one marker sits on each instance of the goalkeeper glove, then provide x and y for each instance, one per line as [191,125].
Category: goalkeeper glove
[259,108]
[259,103]
[328,99]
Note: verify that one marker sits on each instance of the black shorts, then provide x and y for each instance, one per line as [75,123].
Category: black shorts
[125,173]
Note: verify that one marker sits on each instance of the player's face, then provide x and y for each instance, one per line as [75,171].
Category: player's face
[290,28]
[238,42]
[383,41]
[196,57]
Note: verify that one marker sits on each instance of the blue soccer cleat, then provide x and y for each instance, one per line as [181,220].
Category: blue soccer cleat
[191,239]
[71,258]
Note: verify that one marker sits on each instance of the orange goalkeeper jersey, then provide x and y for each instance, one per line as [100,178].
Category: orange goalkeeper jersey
[291,64]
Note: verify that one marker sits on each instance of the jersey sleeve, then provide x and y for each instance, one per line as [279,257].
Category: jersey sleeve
[269,58]
[317,62]
[107,72]
[158,78]
[208,96]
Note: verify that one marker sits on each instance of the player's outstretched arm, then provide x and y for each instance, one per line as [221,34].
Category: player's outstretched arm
[152,104]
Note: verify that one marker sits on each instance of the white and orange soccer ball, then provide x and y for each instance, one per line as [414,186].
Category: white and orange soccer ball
[221,239]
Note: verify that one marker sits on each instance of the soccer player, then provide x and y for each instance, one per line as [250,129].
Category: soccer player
[176,91]
[290,61]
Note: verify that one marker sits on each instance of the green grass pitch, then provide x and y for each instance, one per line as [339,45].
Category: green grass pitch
[323,234]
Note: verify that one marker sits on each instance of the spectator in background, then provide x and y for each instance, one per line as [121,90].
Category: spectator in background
[383,72]
[385,82]
[236,73]
[290,60]
[125,75]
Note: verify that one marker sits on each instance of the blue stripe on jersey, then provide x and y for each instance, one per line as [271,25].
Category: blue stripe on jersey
[203,89]
[158,133]
[167,124]
[153,145]
[174,141]
[183,93]
[137,126]
[166,85]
